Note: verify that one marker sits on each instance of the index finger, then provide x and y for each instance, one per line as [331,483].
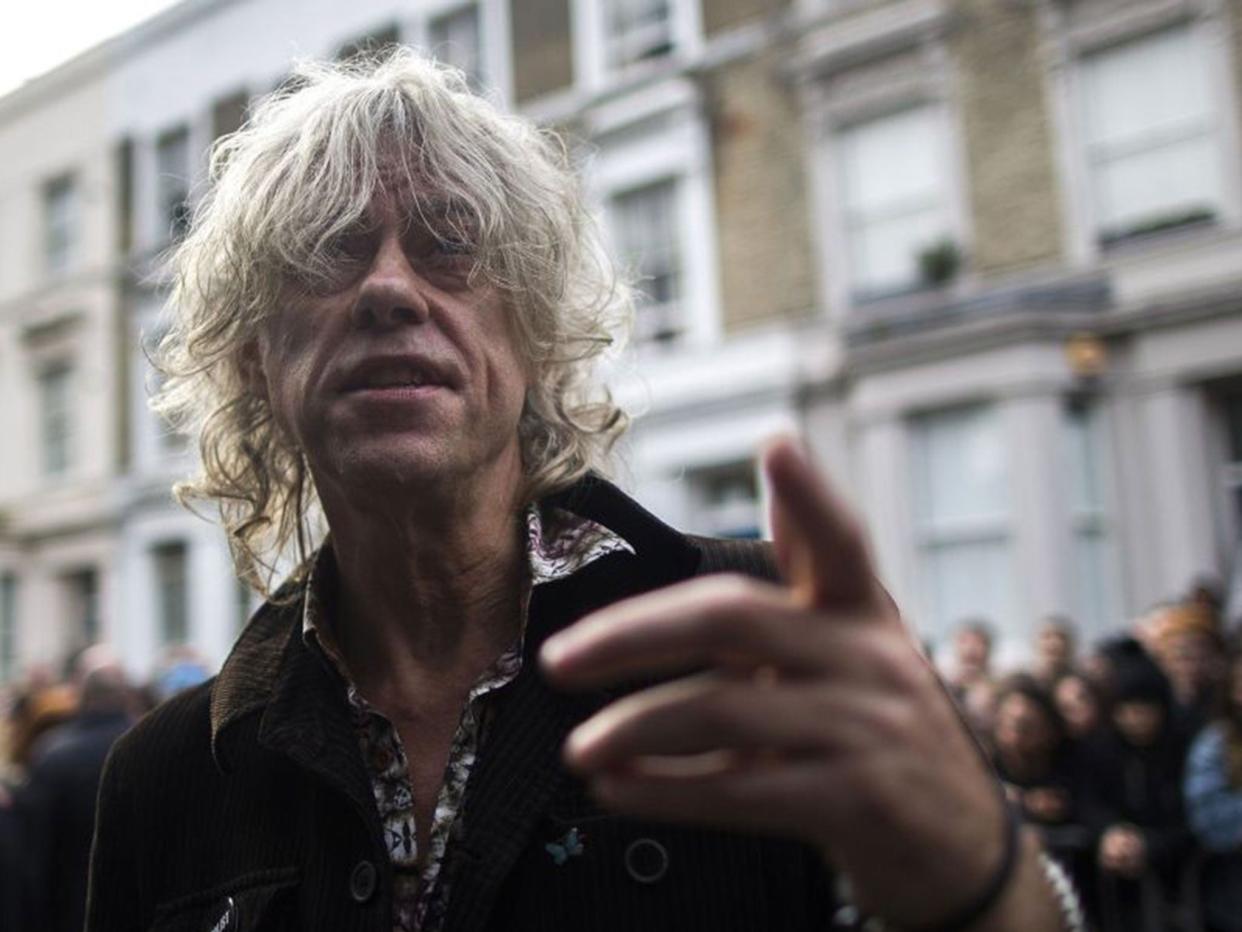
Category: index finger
[819,542]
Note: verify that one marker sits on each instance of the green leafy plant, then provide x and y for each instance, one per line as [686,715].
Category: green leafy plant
[939,262]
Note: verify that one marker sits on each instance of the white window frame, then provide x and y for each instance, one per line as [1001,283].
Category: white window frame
[153,453]
[647,310]
[162,222]
[592,71]
[1227,473]
[56,265]
[495,49]
[157,550]
[998,528]
[149,234]
[939,120]
[829,110]
[1098,521]
[720,518]
[68,370]
[1075,39]
[675,146]
[10,631]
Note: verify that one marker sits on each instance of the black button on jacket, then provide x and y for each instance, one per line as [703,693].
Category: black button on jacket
[245,804]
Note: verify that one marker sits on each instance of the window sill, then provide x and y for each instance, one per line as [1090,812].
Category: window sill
[1137,244]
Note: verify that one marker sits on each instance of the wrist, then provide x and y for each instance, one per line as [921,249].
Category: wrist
[1037,896]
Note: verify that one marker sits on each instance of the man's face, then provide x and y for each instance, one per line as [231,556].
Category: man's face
[973,651]
[398,370]
[1054,647]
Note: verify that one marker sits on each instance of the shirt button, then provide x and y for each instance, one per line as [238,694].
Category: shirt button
[646,860]
[362,881]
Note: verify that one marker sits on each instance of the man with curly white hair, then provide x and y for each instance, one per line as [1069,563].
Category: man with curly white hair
[496,693]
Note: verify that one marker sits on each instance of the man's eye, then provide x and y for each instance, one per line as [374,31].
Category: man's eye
[352,245]
[454,246]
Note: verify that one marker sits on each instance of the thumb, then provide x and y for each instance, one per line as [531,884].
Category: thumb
[819,543]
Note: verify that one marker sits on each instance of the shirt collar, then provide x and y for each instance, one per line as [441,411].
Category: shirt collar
[559,544]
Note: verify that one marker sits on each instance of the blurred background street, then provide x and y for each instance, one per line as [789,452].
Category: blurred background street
[984,255]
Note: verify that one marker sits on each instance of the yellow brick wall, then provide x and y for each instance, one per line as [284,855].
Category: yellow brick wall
[762,209]
[543,58]
[1009,143]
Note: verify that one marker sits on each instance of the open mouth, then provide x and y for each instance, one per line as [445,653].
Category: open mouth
[394,375]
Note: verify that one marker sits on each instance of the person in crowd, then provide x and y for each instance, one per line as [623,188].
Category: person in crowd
[969,677]
[183,668]
[1037,761]
[56,804]
[972,656]
[1054,650]
[1134,800]
[1214,807]
[12,888]
[501,695]
[1080,704]
[1187,642]
[41,705]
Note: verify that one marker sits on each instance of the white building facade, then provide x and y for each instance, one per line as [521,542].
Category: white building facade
[985,258]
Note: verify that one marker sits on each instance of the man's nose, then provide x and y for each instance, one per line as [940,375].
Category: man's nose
[393,293]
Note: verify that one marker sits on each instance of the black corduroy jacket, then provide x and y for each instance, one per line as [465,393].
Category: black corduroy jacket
[245,804]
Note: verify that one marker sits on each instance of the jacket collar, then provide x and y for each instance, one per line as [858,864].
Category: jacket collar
[270,670]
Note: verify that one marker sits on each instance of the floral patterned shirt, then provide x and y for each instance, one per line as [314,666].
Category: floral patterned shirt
[418,900]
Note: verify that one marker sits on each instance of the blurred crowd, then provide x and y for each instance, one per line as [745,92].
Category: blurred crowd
[55,732]
[1127,756]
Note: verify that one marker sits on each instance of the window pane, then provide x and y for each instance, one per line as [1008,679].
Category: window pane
[454,40]
[229,113]
[55,418]
[1167,181]
[8,626]
[1232,407]
[644,227]
[1084,440]
[637,29]
[892,161]
[967,580]
[60,221]
[961,507]
[1093,580]
[1141,87]
[1095,583]
[170,591]
[961,468]
[81,590]
[726,500]
[1149,125]
[885,253]
[172,162]
[893,182]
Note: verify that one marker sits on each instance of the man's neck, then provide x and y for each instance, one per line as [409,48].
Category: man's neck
[429,595]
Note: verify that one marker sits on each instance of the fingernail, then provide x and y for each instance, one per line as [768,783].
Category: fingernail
[555,650]
[580,740]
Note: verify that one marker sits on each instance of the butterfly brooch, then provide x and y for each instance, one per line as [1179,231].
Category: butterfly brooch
[568,847]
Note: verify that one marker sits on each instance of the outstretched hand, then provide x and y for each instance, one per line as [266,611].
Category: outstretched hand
[816,716]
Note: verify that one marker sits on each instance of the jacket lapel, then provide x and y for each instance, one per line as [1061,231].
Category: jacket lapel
[519,768]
